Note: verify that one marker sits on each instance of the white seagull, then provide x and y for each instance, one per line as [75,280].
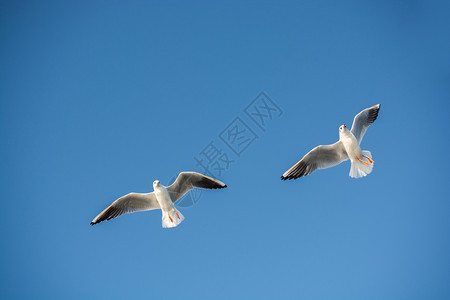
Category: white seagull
[162,198]
[326,156]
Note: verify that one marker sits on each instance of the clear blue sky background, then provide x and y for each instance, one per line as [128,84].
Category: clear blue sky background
[100,98]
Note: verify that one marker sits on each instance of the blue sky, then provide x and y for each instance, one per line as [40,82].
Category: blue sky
[100,98]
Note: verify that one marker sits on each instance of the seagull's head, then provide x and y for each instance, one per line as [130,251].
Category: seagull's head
[343,131]
[343,128]
[155,183]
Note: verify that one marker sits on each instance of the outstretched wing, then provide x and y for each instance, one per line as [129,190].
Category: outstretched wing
[127,204]
[363,120]
[186,181]
[321,157]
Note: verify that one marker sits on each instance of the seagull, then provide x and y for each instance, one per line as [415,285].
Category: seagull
[162,198]
[327,156]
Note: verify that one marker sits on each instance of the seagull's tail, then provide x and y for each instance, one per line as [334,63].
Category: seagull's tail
[360,169]
[171,218]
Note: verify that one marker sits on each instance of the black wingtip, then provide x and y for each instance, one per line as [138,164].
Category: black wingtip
[290,177]
[96,222]
[218,187]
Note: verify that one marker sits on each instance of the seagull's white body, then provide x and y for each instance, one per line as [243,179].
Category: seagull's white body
[350,144]
[348,147]
[171,217]
[358,167]
[162,197]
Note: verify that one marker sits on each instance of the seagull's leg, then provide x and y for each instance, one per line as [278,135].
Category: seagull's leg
[371,161]
[365,162]
[170,219]
[177,215]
